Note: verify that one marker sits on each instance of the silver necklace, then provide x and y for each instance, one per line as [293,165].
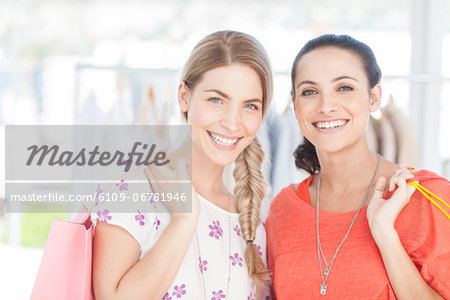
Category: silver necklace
[229,260]
[326,272]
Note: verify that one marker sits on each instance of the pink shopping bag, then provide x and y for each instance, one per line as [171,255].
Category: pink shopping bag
[66,266]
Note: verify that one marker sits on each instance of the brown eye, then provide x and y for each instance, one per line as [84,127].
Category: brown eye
[308,92]
[345,88]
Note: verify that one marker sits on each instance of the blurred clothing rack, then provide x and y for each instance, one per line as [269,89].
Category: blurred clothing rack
[132,85]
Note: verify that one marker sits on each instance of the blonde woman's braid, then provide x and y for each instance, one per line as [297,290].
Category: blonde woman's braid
[249,192]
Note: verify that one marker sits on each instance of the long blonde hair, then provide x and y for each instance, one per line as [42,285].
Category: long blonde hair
[225,48]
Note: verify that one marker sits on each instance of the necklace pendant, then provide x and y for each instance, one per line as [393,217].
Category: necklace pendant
[323,289]
[326,272]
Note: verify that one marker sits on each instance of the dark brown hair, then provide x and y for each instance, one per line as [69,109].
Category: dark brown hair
[305,154]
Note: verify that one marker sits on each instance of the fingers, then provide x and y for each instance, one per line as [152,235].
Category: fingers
[410,190]
[393,178]
[379,188]
[150,169]
[181,169]
[404,192]
[148,173]
[149,176]
[382,212]
[159,176]
[404,170]
[400,180]
[400,173]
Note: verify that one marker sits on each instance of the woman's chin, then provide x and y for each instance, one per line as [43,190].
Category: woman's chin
[223,162]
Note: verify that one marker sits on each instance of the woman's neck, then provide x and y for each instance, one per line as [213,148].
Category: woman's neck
[207,177]
[345,176]
[351,167]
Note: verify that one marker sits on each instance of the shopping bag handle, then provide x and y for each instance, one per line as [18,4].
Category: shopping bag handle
[427,193]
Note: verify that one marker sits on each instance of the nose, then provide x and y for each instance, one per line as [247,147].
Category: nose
[328,103]
[231,120]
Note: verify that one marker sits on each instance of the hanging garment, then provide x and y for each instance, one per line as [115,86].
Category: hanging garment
[407,149]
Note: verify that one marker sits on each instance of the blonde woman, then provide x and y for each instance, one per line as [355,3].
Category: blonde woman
[218,250]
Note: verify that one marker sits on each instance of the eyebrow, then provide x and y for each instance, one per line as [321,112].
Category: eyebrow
[306,82]
[218,92]
[334,80]
[344,77]
[228,97]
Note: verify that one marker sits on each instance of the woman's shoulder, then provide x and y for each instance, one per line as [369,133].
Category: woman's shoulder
[292,190]
[424,175]
[143,226]
[424,225]
[290,197]
[430,183]
[423,217]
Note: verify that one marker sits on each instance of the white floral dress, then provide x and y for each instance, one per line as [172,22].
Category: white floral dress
[209,262]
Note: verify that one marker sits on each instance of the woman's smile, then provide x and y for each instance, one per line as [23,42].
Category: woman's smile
[222,141]
[330,126]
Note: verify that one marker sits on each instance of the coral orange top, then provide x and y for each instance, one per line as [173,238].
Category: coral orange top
[358,271]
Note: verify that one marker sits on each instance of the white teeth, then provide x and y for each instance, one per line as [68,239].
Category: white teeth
[222,141]
[333,124]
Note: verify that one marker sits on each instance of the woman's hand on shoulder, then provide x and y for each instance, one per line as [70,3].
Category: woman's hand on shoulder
[381,213]
[163,179]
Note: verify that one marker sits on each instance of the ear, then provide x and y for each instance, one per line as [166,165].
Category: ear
[375,98]
[183,96]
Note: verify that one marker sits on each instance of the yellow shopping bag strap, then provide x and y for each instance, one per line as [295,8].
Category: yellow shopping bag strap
[427,194]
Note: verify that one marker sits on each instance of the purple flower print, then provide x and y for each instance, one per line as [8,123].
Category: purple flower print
[268,298]
[218,295]
[216,230]
[238,230]
[202,264]
[122,185]
[152,201]
[166,297]
[157,222]
[124,162]
[236,259]
[103,216]
[139,217]
[179,291]
[259,249]
[251,297]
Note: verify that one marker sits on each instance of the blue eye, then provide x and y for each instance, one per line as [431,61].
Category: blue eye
[251,106]
[214,100]
[308,92]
